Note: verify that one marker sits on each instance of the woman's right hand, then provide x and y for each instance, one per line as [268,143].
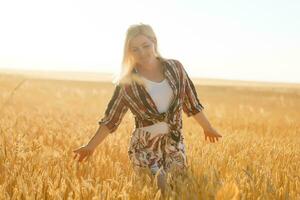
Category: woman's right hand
[83,152]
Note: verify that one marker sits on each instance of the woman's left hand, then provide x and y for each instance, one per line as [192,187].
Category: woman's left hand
[212,134]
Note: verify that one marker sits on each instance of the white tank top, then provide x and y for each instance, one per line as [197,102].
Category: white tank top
[162,95]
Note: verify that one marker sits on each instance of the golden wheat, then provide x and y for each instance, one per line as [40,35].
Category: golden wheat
[45,120]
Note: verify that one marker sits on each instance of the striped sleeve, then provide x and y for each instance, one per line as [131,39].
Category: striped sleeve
[115,110]
[191,103]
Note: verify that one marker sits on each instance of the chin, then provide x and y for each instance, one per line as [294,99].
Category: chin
[144,61]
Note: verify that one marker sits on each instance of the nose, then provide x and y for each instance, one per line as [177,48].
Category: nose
[141,51]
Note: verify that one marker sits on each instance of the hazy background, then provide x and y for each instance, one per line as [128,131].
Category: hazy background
[243,40]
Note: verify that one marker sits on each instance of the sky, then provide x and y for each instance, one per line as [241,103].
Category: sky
[255,40]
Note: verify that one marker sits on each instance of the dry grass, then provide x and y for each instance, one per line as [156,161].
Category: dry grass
[44,120]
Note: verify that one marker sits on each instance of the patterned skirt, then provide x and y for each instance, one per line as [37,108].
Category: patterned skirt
[156,152]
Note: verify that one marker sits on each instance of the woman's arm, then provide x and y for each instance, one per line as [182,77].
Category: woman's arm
[202,120]
[87,150]
[113,115]
[209,131]
[193,107]
[99,136]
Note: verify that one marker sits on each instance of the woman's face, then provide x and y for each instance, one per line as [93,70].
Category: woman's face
[142,49]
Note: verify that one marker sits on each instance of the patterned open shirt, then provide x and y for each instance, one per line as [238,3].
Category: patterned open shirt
[135,97]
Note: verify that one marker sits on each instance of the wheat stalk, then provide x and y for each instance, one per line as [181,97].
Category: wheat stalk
[11,95]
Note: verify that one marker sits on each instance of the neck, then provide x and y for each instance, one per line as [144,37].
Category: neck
[150,66]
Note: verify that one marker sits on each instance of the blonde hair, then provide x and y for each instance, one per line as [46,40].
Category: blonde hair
[125,76]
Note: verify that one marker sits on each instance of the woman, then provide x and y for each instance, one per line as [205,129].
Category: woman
[156,90]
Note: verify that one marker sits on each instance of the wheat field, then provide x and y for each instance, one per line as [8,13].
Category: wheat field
[43,121]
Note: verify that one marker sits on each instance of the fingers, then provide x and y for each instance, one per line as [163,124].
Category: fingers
[76,152]
[212,139]
[212,136]
[87,158]
[81,158]
[218,134]
[82,155]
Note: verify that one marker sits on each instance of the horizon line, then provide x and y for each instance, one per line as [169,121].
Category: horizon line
[111,75]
